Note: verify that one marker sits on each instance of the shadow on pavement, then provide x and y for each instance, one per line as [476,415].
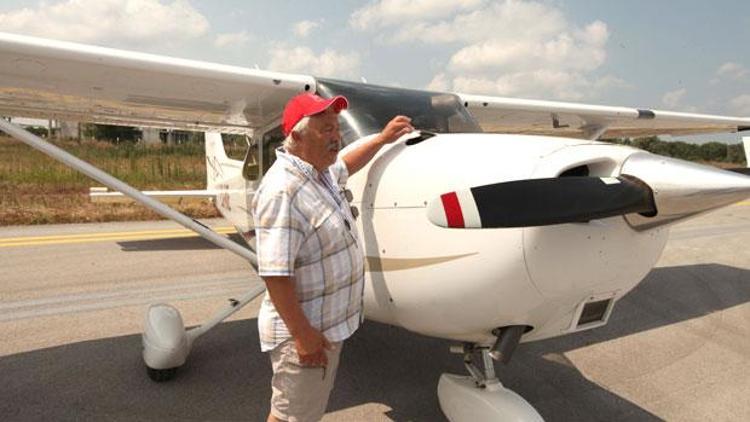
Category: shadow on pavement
[175,244]
[227,377]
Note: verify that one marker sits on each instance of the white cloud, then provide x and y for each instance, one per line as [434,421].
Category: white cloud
[507,20]
[121,22]
[540,83]
[509,47]
[303,28]
[741,105]
[330,62]
[673,99]
[733,71]
[439,83]
[389,12]
[579,51]
[232,39]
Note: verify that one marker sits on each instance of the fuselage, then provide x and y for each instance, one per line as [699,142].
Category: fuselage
[461,284]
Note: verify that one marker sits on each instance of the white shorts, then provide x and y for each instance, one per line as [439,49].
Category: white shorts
[300,394]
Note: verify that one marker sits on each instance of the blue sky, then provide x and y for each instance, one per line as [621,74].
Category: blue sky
[684,56]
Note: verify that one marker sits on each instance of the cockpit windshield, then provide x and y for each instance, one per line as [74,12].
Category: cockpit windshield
[371,107]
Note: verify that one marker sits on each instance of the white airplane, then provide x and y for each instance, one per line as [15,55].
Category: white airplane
[530,230]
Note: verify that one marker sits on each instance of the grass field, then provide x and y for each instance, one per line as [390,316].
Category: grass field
[35,189]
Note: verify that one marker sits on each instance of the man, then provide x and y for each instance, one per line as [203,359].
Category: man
[309,254]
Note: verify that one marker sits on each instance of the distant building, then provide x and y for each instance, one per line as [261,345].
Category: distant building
[69,130]
[59,129]
[54,128]
[153,136]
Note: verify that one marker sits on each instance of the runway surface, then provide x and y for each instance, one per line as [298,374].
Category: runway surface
[72,300]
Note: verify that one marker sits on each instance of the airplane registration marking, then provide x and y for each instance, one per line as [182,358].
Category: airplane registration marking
[101,237]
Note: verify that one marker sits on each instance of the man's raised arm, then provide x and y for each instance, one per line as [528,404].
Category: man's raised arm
[358,157]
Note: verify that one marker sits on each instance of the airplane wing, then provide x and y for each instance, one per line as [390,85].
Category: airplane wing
[512,115]
[61,80]
[67,81]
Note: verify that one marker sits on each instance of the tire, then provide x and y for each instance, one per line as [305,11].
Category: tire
[161,375]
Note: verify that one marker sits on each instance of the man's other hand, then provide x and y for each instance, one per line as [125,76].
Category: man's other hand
[396,128]
[311,347]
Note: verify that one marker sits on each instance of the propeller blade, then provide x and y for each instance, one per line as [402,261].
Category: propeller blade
[741,170]
[541,202]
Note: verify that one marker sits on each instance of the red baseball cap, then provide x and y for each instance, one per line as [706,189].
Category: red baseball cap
[304,105]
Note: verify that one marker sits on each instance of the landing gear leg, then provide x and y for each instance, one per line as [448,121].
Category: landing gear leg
[481,396]
[482,377]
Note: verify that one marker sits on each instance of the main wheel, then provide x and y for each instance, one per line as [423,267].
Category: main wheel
[161,375]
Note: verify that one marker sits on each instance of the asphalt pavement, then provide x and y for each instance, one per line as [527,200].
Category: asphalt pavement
[72,300]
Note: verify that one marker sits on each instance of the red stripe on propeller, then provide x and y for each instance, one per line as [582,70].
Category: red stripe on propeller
[452,210]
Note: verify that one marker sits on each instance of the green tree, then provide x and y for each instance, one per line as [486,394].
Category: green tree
[713,151]
[736,154]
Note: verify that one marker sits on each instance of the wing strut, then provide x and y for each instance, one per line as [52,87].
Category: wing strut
[118,185]
[159,349]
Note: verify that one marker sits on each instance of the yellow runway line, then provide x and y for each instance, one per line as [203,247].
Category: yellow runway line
[101,237]
[109,234]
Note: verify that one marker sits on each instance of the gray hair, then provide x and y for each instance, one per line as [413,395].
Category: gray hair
[300,127]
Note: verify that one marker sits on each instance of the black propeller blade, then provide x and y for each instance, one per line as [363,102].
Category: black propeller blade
[741,170]
[542,202]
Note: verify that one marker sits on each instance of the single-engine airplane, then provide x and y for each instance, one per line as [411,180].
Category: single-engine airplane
[500,221]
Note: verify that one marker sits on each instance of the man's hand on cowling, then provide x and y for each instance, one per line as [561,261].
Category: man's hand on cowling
[396,128]
[311,348]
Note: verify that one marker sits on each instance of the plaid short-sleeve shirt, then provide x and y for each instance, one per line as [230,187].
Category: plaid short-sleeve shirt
[305,230]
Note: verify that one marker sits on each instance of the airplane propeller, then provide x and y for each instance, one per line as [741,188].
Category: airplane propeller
[542,202]
[741,170]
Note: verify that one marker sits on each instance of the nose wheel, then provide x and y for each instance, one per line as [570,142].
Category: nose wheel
[481,396]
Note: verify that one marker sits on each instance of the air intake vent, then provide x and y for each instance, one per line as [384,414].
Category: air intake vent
[422,136]
[594,313]
[579,171]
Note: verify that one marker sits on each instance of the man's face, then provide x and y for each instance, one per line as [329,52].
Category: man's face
[322,140]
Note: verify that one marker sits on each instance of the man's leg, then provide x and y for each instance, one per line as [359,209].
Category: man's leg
[300,394]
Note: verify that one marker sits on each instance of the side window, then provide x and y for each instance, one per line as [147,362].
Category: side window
[271,140]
